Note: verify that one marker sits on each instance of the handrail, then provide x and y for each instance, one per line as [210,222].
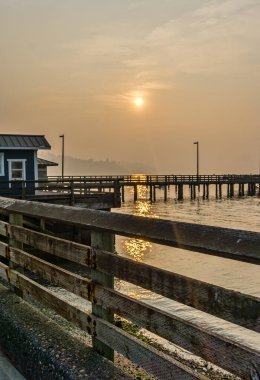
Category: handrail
[100,266]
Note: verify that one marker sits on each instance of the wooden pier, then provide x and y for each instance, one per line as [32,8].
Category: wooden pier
[30,252]
[230,184]
[102,194]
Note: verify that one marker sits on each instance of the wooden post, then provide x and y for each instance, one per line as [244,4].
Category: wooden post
[180,192]
[72,195]
[117,192]
[135,193]
[204,190]
[165,193]
[151,193]
[154,193]
[104,241]
[123,192]
[220,191]
[17,220]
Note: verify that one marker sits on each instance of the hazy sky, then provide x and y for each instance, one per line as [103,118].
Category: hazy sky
[75,67]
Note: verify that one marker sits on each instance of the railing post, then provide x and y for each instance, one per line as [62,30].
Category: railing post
[104,241]
[72,195]
[17,220]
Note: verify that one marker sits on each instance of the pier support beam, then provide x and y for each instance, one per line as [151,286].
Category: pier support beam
[135,193]
[180,192]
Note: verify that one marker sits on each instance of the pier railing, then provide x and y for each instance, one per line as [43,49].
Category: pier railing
[168,178]
[29,245]
[60,187]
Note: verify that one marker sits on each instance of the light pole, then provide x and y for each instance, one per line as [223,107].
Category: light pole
[62,157]
[198,171]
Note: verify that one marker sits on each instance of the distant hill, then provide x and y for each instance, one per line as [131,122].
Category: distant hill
[77,166]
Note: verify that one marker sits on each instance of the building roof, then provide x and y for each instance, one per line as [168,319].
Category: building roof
[43,162]
[31,142]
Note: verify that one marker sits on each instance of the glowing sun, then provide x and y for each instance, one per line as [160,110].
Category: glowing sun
[138,101]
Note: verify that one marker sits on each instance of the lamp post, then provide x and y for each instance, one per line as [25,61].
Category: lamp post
[62,156]
[198,172]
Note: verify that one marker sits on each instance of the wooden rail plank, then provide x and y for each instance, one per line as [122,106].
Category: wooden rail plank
[228,304]
[235,244]
[52,273]
[3,271]
[4,249]
[65,249]
[42,294]
[225,303]
[211,346]
[3,228]
[155,362]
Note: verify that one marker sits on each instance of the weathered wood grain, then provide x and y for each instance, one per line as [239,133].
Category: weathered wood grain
[52,273]
[65,249]
[4,249]
[243,245]
[3,271]
[65,308]
[213,347]
[228,304]
[3,228]
[105,241]
[155,362]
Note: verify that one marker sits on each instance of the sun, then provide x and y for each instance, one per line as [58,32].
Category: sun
[138,101]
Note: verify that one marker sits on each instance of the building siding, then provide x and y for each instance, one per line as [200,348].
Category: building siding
[29,156]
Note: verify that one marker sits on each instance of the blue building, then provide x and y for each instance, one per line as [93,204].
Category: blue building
[18,162]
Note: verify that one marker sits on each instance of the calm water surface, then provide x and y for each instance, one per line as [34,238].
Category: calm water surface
[238,213]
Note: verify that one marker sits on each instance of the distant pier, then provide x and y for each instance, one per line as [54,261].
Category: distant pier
[229,184]
[106,192]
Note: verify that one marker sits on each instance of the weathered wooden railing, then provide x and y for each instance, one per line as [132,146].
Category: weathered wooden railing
[70,188]
[237,351]
[245,184]
[168,178]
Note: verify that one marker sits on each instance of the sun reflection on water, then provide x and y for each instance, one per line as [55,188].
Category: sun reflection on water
[137,248]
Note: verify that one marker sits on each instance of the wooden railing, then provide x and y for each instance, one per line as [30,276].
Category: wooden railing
[70,187]
[21,253]
[168,178]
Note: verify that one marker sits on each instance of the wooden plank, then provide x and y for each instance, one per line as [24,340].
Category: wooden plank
[238,244]
[63,307]
[52,273]
[228,304]
[225,303]
[4,271]
[3,228]
[192,336]
[65,249]
[4,250]
[154,361]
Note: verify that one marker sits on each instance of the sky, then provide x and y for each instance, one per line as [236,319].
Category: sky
[76,67]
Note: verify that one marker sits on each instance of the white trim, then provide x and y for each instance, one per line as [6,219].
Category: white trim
[23,160]
[2,159]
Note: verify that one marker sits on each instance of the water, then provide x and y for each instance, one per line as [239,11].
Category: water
[237,213]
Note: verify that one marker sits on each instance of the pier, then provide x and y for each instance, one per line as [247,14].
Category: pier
[106,192]
[232,184]
[35,259]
